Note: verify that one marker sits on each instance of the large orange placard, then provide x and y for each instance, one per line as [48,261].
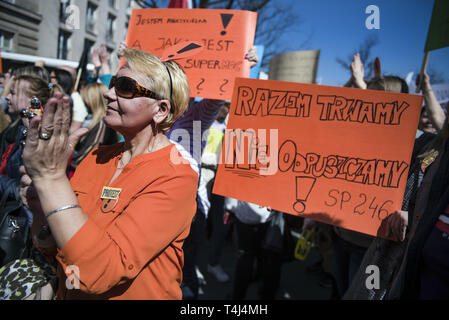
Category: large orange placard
[337,155]
[226,36]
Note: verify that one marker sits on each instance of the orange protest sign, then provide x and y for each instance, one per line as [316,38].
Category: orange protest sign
[226,36]
[337,155]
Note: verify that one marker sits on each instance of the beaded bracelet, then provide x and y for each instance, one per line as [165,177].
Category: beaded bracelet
[70,206]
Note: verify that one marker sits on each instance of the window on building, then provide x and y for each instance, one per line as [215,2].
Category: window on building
[110,27]
[112,4]
[129,7]
[6,40]
[62,10]
[91,17]
[89,44]
[125,30]
[63,44]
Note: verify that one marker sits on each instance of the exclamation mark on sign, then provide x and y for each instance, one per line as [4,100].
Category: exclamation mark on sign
[225,19]
[303,187]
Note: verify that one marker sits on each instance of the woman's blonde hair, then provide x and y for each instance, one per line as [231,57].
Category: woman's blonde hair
[166,79]
[92,96]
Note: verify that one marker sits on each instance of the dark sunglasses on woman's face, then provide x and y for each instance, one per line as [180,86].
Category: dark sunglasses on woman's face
[128,88]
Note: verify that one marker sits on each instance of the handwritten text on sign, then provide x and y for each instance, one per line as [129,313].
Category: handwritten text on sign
[226,36]
[337,155]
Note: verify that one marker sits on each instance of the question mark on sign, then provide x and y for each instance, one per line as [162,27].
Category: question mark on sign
[199,84]
[225,82]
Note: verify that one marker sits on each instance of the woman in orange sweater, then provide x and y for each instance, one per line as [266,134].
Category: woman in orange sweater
[119,224]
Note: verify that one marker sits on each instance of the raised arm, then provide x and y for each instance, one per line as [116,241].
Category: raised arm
[436,114]
[46,153]
[358,72]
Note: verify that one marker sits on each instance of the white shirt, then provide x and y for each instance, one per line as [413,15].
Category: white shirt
[246,212]
[79,108]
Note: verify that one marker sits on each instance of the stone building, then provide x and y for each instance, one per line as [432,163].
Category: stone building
[59,29]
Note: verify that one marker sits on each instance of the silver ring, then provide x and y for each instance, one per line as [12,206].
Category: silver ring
[44,136]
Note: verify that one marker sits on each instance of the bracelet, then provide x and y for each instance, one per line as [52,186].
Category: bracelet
[70,206]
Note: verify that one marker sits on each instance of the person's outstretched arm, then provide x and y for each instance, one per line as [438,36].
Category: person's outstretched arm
[436,114]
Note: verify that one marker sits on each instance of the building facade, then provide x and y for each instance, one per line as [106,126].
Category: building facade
[60,29]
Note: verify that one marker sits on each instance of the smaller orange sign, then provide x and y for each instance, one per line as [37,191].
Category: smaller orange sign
[225,36]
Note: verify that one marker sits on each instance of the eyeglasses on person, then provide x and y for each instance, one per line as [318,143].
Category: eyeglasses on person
[128,88]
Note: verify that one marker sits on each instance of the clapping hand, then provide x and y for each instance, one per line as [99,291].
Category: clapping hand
[48,145]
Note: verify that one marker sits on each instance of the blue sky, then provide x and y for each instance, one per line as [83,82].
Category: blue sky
[337,27]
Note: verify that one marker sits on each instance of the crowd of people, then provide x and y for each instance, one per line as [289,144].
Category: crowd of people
[94,207]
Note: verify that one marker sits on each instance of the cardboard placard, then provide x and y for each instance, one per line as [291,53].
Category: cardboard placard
[297,66]
[337,155]
[226,36]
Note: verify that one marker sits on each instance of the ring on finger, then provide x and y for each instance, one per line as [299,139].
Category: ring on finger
[44,135]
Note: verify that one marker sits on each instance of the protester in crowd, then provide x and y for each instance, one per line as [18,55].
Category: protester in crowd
[63,78]
[126,240]
[350,246]
[202,113]
[404,260]
[424,269]
[29,82]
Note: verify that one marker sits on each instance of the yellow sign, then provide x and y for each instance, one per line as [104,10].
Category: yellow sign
[110,193]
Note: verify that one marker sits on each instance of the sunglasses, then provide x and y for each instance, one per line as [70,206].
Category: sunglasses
[128,88]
